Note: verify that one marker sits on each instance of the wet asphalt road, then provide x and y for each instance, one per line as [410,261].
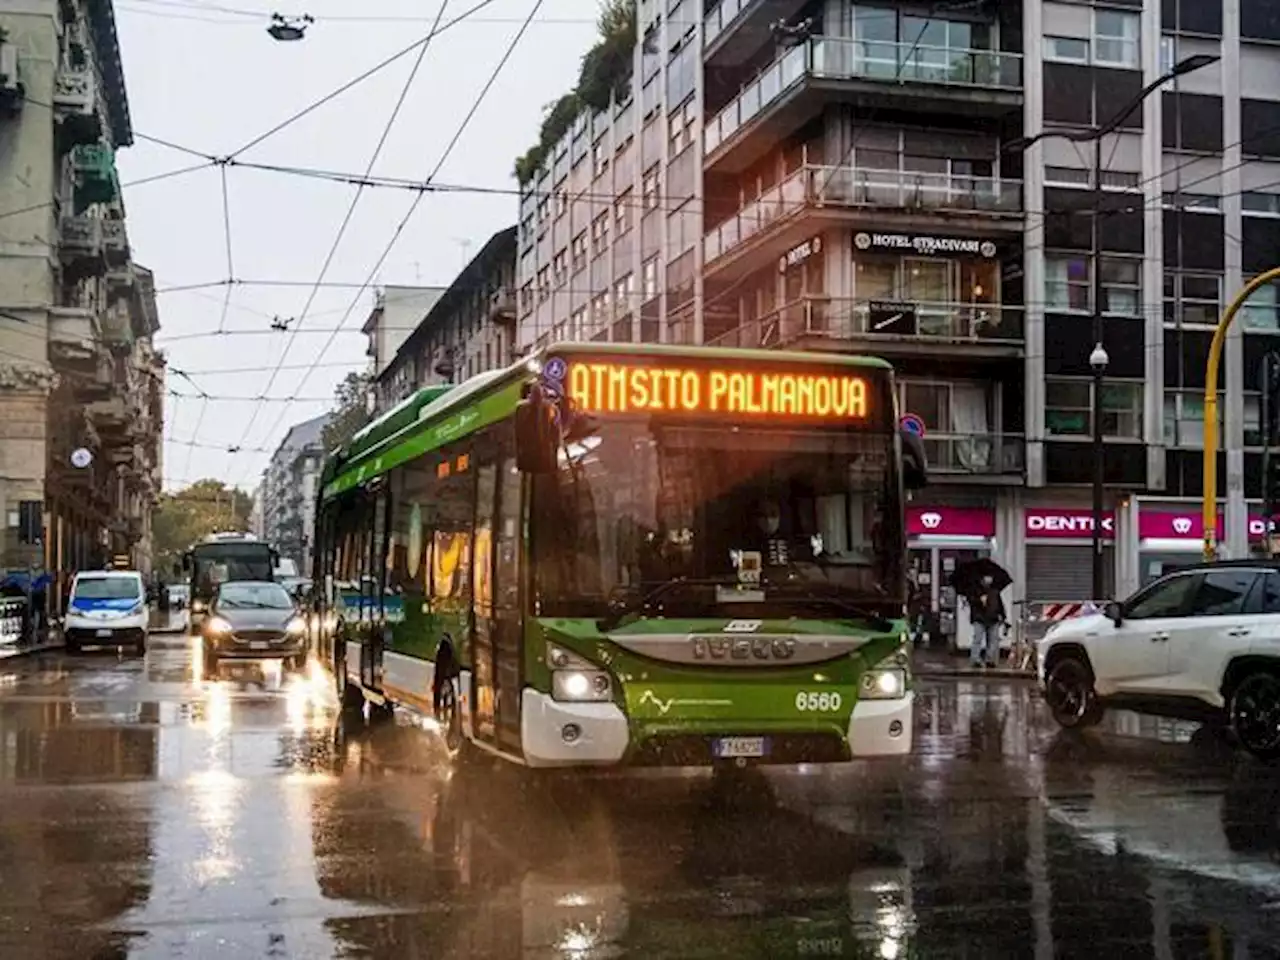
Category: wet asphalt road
[145,812]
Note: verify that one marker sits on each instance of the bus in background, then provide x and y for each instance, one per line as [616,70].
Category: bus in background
[221,558]
[632,554]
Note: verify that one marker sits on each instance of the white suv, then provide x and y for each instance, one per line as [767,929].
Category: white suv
[1201,643]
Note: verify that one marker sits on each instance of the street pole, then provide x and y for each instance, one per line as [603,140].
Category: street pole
[1099,452]
[1209,514]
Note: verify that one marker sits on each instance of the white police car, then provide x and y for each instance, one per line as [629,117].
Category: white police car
[107,608]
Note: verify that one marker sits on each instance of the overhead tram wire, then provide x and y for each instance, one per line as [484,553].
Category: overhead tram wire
[355,81]
[351,209]
[404,222]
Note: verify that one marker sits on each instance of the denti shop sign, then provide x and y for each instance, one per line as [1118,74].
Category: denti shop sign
[924,244]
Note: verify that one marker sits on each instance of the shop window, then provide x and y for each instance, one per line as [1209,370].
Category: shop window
[1192,299]
[1069,409]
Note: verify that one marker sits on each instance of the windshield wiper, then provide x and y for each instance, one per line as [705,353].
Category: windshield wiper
[875,618]
[624,608]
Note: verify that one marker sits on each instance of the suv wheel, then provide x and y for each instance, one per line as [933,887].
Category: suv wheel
[1254,712]
[1068,690]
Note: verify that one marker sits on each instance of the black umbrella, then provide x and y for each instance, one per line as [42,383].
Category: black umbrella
[968,576]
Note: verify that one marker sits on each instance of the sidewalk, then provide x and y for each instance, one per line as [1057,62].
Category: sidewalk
[939,663]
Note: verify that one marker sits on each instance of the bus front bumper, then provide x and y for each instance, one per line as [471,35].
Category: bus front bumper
[558,734]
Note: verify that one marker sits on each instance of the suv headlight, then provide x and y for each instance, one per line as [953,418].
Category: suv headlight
[887,680]
[575,679]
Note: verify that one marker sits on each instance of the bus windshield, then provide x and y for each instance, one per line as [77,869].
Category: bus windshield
[805,513]
[226,562]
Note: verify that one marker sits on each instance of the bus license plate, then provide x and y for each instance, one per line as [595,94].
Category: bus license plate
[727,748]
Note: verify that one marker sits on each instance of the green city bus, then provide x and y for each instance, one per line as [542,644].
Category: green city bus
[630,554]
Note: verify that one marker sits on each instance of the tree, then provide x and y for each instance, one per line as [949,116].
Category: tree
[351,412]
[180,519]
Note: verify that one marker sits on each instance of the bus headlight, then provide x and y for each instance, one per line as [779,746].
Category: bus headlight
[883,684]
[581,686]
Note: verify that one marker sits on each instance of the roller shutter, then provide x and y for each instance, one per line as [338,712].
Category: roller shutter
[1057,572]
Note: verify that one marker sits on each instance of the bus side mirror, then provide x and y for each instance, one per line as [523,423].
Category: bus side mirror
[915,468]
[537,443]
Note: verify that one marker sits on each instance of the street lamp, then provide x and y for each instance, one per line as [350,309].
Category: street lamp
[1098,361]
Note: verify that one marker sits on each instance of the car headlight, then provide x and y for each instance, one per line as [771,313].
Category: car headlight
[219,626]
[581,686]
[197,606]
[136,609]
[296,627]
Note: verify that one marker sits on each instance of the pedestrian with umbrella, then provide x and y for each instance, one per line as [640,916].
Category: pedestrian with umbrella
[980,582]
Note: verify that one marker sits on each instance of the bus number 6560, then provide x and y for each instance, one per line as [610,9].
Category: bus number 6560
[809,700]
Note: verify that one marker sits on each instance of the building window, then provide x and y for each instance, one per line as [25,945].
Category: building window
[562,203]
[622,211]
[544,284]
[649,188]
[1122,287]
[579,251]
[1259,311]
[1115,38]
[1066,49]
[1066,177]
[622,292]
[599,311]
[680,126]
[1260,204]
[1168,53]
[599,158]
[526,297]
[1120,180]
[1069,409]
[1206,202]
[650,279]
[1192,299]
[1184,418]
[600,233]
[544,210]
[1066,283]
[578,324]
[560,266]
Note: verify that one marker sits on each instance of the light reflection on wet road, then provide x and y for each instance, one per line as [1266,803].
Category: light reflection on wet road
[145,812]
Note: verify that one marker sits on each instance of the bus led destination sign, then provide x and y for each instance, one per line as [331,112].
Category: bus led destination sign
[601,387]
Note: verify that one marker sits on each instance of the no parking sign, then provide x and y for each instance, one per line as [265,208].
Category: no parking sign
[912,423]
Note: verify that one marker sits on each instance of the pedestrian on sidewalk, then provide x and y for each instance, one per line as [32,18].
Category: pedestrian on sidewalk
[987,615]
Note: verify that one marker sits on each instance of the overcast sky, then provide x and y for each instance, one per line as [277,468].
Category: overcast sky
[205,75]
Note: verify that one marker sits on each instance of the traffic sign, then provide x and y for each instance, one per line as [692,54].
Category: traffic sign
[912,423]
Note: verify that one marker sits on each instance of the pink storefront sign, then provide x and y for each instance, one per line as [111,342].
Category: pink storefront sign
[950,522]
[1173,525]
[1065,523]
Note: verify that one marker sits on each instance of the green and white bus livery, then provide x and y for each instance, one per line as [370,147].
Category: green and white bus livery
[631,554]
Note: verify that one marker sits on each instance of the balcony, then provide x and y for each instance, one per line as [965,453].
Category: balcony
[94,168]
[115,243]
[80,245]
[737,29]
[888,328]
[502,306]
[975,456]
[800,83]
[117,327]
[75,105]
[847,195]
[73,331]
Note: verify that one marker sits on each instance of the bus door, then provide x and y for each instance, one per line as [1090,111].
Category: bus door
[497,675]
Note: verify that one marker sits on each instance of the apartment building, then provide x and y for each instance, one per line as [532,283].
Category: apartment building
[81,387]
[287,494]
[855,176]
[466,329]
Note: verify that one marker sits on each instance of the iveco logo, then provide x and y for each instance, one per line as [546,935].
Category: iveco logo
[743,648]
[931,521]
[1181,525]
